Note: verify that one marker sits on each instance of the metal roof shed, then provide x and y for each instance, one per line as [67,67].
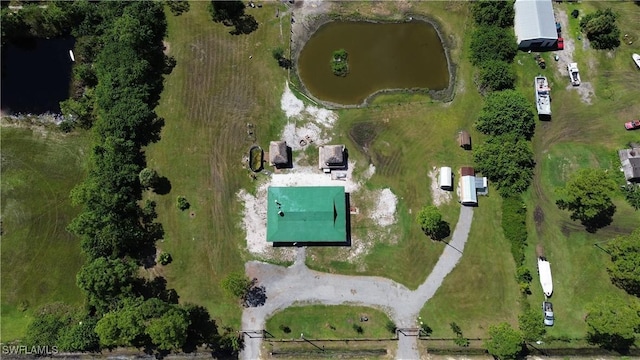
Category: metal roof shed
[468,194]
[306,214]
[535,24]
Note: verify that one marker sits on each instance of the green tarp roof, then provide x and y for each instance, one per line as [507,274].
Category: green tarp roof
[306,214]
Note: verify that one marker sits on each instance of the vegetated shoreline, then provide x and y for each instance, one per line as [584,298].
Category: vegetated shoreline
[310,24]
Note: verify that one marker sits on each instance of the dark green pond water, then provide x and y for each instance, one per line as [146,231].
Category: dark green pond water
[381,56]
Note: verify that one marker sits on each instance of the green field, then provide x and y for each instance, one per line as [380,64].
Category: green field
[313,322]
[39,257]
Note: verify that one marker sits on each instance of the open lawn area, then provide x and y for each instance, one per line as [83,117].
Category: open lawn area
[39,257]
[313,322]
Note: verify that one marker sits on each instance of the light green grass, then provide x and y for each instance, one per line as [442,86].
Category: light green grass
[329,322]
[210,96]
[40,258]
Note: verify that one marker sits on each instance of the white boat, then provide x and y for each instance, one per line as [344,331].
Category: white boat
[543,95]
[544,271]
[574,74]
[636,59]
[71,56]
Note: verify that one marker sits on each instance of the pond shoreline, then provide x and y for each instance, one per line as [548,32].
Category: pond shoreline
[307,26]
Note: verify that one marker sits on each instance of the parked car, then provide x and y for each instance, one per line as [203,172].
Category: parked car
[547,310]
[560,43]
[632,125]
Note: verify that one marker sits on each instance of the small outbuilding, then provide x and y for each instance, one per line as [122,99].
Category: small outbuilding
[278,153]
[467,171]
[464,140]
[630,160]
[535,24]
[331,157]
[468,194]
[445,180]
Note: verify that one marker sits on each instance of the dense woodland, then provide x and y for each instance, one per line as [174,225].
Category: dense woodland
[117,83]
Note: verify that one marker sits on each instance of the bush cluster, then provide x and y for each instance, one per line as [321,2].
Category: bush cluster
[339,63]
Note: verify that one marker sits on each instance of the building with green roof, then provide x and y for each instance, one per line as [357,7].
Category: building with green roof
[307,214]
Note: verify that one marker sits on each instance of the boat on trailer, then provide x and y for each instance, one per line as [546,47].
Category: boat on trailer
[543,95]
[544,271]
[636,59]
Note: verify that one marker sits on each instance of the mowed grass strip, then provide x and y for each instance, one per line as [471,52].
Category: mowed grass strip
[221,82]
[40,258]
[329,322]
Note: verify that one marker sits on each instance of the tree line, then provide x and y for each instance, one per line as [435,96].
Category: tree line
[121,66]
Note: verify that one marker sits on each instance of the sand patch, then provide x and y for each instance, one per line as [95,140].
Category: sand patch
[384,213]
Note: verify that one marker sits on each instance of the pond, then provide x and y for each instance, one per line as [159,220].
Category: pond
[36,75]
[380,56]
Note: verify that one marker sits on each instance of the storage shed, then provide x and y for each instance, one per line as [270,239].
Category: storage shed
[467,171]
[278,155]
[464,140]
[535,24]
[630,161]
[468,194]
[445,179]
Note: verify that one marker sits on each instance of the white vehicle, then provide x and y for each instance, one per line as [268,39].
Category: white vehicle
[547,309]
[544,270]
[574,74]
[636,59]
[543,95]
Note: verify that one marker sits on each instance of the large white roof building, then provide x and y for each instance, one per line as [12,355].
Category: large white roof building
[535,24]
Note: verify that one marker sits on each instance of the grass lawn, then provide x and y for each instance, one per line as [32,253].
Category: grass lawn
[329,322]
[40,258]
[209,98]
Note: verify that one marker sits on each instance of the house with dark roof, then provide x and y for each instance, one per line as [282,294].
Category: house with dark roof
[630,160]
[278,153]
[331,157]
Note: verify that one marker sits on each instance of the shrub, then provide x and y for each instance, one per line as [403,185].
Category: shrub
[601,29]
[357,328]
[148,177]
[461,341]
[492,43]
[430,220]
[339,63]
[236,284]
[182,203]
[165,258]
[496,75]
[514,227]
[391,327]
[285,329]
[277,53]
[631,194]
[531,325]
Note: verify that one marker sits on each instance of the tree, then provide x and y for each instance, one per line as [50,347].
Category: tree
[587,195]
[226,12]
[496,75]
[202,329]
[236,284]
[169,331]
[531,325]
[430,220]
[505,342]
[148,177]
[106,282]
[601,29]
[613,322]
[48,324]
[507,112]
[507,161]
[278,54]
[624,269]
[177,7]
[80,336]
[632,195]
[486,12]
[492,43]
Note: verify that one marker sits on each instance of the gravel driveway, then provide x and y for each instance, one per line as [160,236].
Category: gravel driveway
[298,284]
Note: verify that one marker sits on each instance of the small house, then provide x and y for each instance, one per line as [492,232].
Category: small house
[468,194]
[630,160]
[331,157]
[445,180]
[535,24]
[464,140]
[278,153]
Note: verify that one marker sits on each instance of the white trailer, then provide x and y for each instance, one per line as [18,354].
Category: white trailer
[445,179]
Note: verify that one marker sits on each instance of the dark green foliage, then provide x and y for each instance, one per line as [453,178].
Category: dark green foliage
[507,112]
[430,220]
[285,329]
[277,53]
[49,324]
[80,336]
[461,341]
[531,325]
[177,7]
[226,11]
[358,329]
[340,63]
[236,284]
[624,269]
[613,322]
[425,329]
[575,13]
[456,329]
[587,195]
[148,178]
[632,195]
[498,13]
[492,43]
[514,227]
[505,342]
[601,29]
[496,75]
[165,258]
[169,331]
[391,327]
[507,161]
[106,282]
[182,203]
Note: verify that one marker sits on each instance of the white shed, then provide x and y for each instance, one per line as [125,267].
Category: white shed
[446,178]
[468,194]
[535,24]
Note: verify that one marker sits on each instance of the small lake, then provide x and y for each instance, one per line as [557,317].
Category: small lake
[36,75]
[381,56]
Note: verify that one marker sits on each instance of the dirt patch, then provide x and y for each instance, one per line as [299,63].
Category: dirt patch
[538,217]
[439,196]
[566,56]
[167,47]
